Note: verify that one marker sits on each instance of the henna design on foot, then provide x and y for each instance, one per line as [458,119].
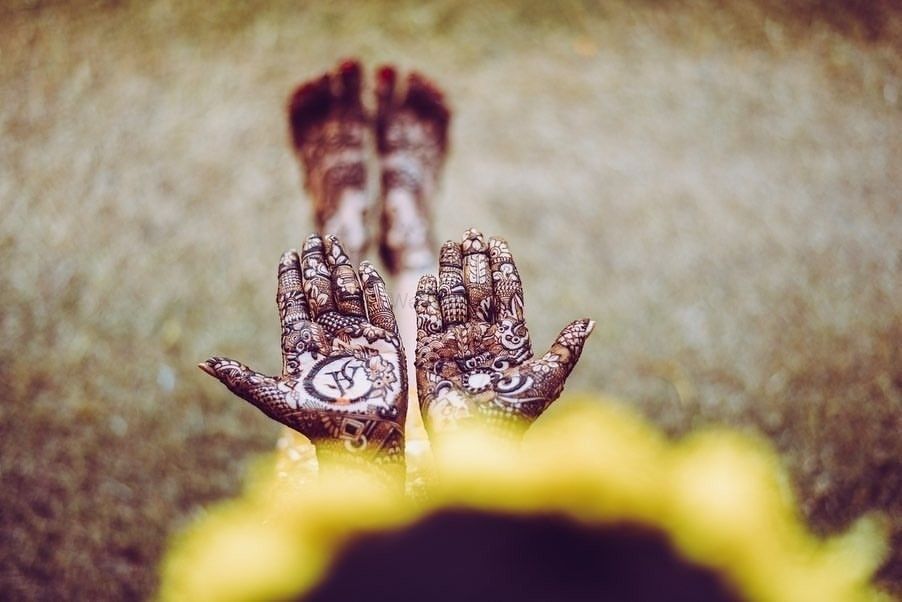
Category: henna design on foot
[344,376]
[412,140]
[474,357]
[330,130]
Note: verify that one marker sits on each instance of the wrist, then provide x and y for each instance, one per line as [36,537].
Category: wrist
[455,410]
[381,459]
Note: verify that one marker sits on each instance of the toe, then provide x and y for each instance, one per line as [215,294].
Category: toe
[308,105]
[349,82]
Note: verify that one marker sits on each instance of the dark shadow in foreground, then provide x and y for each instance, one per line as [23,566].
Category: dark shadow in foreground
[468,555]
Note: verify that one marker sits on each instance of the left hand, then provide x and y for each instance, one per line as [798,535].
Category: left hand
[344,381]
[474,358]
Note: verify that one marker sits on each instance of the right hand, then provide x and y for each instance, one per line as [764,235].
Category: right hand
[474,357]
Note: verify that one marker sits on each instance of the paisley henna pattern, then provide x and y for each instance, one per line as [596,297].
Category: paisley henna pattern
[412,140]
[330,132]
[344,380]
[474,358]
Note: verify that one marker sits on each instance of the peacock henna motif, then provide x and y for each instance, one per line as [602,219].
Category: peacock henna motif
[343,381]
[412,141]
[474,357]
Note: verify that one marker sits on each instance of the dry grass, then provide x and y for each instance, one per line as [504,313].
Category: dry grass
[718,188]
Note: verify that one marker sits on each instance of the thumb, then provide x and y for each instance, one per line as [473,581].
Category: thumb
[552,369]
[573,337]
[261,390]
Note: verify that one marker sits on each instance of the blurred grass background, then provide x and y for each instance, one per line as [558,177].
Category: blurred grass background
[717,183]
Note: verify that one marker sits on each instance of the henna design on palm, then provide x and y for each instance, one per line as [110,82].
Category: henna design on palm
[412,141]
[330,131]
[474,357]
[343,381]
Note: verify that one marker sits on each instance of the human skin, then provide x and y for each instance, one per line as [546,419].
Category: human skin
[333,132]
[343,382]
[474,358]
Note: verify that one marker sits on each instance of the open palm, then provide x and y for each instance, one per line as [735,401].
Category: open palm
[343,382]
[474,357]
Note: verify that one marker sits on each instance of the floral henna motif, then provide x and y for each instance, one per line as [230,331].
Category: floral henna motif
[330,129]
[451,293]
[412,140]
[344,381]
[476,276]
[345,285]
[474,358]
[377,300]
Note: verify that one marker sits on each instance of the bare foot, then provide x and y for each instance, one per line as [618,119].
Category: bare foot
[329,128]
[412,139]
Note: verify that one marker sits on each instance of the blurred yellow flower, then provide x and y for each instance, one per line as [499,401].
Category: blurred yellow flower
[721,498]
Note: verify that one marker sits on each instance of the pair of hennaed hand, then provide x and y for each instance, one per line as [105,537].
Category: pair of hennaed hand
[344,381]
